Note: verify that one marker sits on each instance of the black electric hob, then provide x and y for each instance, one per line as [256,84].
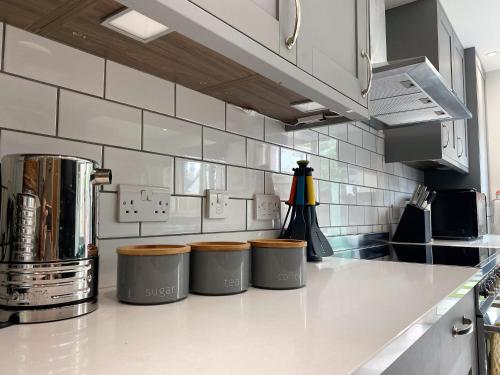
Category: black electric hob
[429,254]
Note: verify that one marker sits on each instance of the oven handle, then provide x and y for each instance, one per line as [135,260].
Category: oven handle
[466,328]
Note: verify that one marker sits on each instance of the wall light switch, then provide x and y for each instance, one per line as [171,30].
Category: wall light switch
[143,203]
[217,204]
[267,207]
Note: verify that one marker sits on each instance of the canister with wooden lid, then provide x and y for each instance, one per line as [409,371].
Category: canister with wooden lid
[153,274]
[219,268]
[278,264]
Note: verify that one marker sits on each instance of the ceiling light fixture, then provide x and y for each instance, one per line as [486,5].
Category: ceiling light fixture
[307,106]
[135,25]
[492,53]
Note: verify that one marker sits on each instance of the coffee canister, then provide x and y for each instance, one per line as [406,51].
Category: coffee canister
[153,274]
[278,264]
[219,268]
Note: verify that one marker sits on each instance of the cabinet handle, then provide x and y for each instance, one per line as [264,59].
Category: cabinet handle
[366,91]
[465,328]
[290,42]
[461,143]
[447,136]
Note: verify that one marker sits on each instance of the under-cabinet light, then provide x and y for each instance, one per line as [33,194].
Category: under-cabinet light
[308,106]
[135,25]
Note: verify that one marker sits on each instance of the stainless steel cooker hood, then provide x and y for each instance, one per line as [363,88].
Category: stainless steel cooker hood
[412,91]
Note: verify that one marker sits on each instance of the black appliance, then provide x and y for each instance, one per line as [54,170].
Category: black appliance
[459,215]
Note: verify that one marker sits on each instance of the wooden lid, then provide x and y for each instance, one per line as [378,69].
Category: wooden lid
[220,246]
[279,243]
[142,250]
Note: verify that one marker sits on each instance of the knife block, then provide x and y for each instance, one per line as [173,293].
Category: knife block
[414,226]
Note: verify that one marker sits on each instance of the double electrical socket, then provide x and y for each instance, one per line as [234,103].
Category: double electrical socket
[143,203]
[267,207]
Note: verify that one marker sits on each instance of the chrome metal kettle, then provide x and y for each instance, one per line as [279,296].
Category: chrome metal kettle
[48,253]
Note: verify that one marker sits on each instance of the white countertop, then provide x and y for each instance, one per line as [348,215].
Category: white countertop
[348,312]
[488,241]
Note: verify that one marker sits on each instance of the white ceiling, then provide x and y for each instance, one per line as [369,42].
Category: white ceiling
[477,24]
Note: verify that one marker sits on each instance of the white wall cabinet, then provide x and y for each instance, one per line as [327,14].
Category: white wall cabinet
[333,36]
[325,64]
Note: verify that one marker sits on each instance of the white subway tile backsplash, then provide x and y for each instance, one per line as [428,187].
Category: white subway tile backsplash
[275,133]
[356,215]
[278,184]
[380,145]
[323,215]
[383,180]
[244,183]
[168,135]
[27,105]
[90,119]
[197,107]
[348,194]
[33,56]
[320,165]
[133,87]
[21,143]
[356,191]
[338,131]
[364,196]
[354,135]
[377,197]
[370,178]
[185,217]
[108,224]
[369,141]
[254,224]
[222,147]
[328,147]
[194,177]
[339,215]
[338,171]
[235,221]
[356,175]
[138,168]
[247,124]
[363,157]
[347,152]
[262,155]
[289,159]
[376,161]
[306,140]
[328,192]
[371,215]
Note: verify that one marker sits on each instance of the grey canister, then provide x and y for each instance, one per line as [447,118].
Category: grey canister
[278,264]
[219,268]
[153,274]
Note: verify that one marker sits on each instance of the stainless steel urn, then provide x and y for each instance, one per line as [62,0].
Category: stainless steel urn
[48,256]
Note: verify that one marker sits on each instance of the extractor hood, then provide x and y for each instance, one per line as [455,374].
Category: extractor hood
[412,91]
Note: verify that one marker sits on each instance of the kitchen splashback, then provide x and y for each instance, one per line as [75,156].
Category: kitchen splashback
[57,99]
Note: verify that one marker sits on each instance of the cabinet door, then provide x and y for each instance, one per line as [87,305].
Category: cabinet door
[445,36]
[438,351]
[333,35]
[447,139]
[459,89]
[257,19]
